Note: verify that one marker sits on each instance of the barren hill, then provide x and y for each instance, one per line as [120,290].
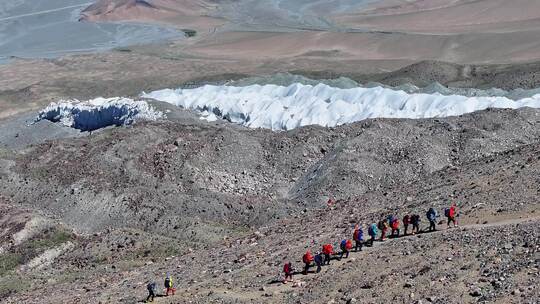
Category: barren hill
[223,207]
[177,12]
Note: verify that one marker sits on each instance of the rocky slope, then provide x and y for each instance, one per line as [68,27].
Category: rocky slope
[222,207]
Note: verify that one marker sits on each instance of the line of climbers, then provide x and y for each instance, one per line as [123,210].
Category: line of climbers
[391,223]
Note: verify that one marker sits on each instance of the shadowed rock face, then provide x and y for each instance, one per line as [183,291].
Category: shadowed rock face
[98,113]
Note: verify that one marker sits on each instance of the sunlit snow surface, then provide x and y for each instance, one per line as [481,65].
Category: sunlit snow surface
[98,113]
[284,108]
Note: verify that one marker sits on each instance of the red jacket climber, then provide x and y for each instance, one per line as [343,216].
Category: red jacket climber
[307,259]
[452,215]
[287,269]
[327,250]
[395,227]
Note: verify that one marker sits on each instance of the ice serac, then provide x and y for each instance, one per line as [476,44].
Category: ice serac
[284,108]
[98,113]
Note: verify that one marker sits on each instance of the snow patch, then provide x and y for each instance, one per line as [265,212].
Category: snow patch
[287,107]
[98,113]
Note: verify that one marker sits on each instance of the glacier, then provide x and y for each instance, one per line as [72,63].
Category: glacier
[98,113]
[287,107]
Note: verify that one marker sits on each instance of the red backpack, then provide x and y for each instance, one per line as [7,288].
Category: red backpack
[308,258]
[395,224]
[406,219]
[327,249]
[287,268]
[348,245]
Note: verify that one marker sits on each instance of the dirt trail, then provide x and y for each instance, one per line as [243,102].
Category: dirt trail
[355,254]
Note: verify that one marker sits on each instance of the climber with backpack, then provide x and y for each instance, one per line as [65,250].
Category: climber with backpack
[390,218]
[450,214]
[415,221]
[169,285]
[318,261]
[345,246]
[406,222]
[383,226]
[151,287]
[288,270]
[358,237]
[372,231]
[395,227]
[307,259]
[327,250]
[431,215]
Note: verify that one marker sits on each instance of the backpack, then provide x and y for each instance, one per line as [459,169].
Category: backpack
[348,245]
[380,225]
[308,258]
[359,235]
[431,214]
[372,230]
[447,212]
[343,244]
[327,249]
[406,219]
[287,268]
[168,283]
[395,224]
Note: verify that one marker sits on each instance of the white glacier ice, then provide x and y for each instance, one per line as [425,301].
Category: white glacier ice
[284,108]
[98,113]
